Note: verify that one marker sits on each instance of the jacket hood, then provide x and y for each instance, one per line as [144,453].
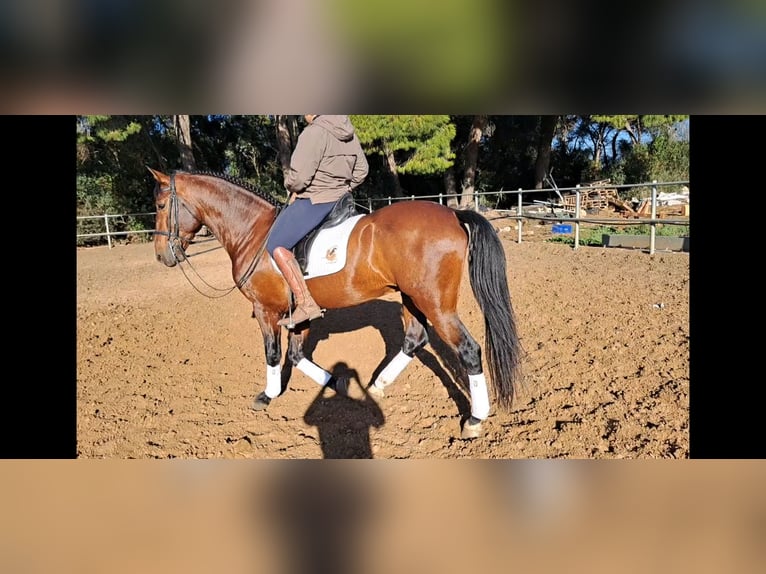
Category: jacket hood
[339,126]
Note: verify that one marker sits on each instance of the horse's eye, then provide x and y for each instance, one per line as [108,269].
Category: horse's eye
[160,206]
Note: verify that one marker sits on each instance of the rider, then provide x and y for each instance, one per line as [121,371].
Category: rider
[327,162]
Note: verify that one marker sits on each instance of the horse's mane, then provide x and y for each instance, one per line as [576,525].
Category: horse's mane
[238,182]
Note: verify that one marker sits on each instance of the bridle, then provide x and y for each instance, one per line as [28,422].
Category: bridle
[173,234]
[176,241]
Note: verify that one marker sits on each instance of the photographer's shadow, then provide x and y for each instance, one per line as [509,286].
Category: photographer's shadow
[344,422]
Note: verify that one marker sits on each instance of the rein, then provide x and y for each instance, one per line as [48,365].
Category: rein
[174,239]
[258,254]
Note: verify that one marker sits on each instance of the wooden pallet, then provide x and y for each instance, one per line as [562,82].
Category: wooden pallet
[593,196]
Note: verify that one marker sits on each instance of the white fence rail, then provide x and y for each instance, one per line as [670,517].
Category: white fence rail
[517,213]
[109,233]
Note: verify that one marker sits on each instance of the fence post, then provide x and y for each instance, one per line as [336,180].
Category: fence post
[440,198]
[108,236]
[577,217]
[521,218]
[369,205]
[389,200]
[652,228]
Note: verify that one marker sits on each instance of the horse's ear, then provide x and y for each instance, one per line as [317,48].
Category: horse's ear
[161,178]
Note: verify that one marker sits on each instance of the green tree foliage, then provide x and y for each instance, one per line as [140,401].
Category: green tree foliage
[107,128]
[114,151]
[663,159]
[507,153]
[241,146]
[638,127]
[421,144]
[656,149]
[111,151]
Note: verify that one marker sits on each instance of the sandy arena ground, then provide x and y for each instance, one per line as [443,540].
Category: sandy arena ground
[164,371]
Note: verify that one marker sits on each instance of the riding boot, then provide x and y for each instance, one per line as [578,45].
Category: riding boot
[306,308]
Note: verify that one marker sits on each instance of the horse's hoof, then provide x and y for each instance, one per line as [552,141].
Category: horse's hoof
[339,385]
[261,402]
[471,429]
[376,391]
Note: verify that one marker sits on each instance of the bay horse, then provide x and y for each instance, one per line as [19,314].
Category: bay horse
[417,248]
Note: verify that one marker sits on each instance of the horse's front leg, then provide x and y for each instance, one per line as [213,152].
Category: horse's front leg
[272,343]
[295,341]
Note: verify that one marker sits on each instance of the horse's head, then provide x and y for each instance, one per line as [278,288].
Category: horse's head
[175,223]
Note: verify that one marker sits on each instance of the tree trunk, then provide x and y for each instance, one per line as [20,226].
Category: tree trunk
[183,129]
[450,187]
[467,198]
[390,162]
[614,146]
[634,132]
[146,129]
[544,145]
[286,140]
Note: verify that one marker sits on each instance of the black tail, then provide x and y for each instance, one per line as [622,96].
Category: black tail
[487,271]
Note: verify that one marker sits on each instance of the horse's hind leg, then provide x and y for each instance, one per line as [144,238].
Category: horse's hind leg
[469,352]
[415,338]
[453,332]
[295,341]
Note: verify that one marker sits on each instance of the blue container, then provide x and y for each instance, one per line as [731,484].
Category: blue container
[562,228]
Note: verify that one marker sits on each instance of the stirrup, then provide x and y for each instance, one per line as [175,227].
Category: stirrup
[290,321]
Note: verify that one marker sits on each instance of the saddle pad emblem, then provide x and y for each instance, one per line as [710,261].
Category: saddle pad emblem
[328,252]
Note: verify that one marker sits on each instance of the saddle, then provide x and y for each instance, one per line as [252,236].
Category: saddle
[341,211]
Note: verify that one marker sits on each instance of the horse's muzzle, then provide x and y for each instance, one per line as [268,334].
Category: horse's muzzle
[171,256]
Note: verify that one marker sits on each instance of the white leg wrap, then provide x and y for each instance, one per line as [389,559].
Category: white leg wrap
[479,396]
[314,372]
[392,370]
[273,381]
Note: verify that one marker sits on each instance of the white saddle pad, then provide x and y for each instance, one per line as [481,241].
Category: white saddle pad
[328,252]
